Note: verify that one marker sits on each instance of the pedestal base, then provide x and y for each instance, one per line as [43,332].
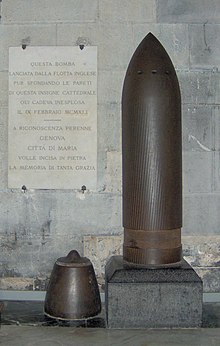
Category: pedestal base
[152,298]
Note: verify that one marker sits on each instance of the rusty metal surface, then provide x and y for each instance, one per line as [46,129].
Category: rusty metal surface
[152,157]
[73,292]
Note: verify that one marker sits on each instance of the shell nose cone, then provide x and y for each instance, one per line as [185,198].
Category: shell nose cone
[150,57]
[149,40]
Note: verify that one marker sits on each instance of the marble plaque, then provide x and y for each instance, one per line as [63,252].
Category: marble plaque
[52,133]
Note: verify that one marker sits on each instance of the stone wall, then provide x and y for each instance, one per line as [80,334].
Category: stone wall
[38,226]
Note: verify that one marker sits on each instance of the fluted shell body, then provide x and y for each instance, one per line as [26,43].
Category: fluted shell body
[152,158]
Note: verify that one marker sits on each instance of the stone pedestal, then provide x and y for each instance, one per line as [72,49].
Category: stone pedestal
[152,298]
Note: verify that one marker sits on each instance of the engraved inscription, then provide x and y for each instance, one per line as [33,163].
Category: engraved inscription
[52,117]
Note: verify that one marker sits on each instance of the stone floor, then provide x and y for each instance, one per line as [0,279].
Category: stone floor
[23,324]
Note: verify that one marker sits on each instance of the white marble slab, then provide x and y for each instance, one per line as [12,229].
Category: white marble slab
[52,133]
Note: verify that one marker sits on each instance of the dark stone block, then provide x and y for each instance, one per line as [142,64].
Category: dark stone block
[152,298]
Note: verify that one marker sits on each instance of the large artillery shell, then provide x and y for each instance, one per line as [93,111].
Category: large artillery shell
[152,158]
